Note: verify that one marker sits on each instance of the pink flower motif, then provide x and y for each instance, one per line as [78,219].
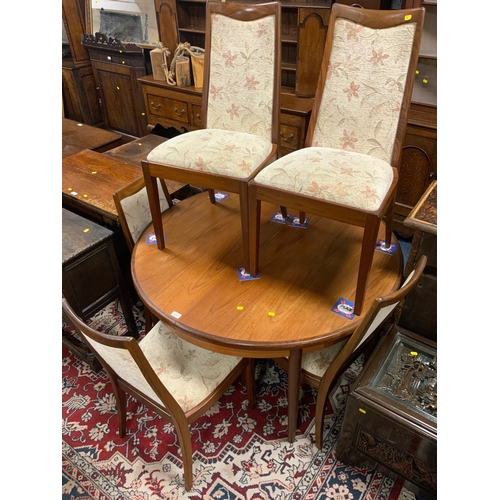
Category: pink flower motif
[251,83]
[316,190]
[348,140]
[233,111]
[352,91]
[262,30]
[348,171]
[316,160]
[201,164]
[214,92]
[378,57]
[352,31]
[245,167]
[230,147]
[229,59]
[332,70]
[370,194]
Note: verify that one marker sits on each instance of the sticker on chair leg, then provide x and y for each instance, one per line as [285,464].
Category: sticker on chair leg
[244,276]
[278,217]
[344,307]
[151,238]
[220,196]
[295,222]
[381,247]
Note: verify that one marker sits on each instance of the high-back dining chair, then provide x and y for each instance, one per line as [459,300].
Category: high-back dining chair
[347,170]
[240,109]
[177,380]
[134,214]
[322,369]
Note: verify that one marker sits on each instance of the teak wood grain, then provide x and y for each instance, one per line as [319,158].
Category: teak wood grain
[304,272]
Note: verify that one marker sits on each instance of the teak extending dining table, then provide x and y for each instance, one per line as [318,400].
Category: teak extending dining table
[193,284]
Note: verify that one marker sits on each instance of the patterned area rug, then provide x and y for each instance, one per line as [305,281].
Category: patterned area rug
[238,453]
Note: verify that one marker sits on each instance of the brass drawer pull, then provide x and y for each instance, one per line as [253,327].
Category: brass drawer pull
[156,107]
[181,113]
[290,137]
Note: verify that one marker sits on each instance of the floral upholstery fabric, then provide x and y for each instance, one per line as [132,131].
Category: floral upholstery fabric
[236,154]
[242,75]
[189,373]
[364,88]
[137,211]
[317,362]
[333,175]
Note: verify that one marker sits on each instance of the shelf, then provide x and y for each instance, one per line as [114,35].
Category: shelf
[425,88]
[428,46]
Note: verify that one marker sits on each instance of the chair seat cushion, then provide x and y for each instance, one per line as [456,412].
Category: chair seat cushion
[190,373]
[352,179]
[317,362]
[235,154]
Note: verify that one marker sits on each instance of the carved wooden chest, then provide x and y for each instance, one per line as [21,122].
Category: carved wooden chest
[390,422]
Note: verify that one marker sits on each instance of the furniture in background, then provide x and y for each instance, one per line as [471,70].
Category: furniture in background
[419,312]
[290,309]
[78,85]
[173,378]
[322,368]
[134,214]
[239,134]
[390,421]
[116,68]
[418,166]
[348,168]
[77,136]
[91,276]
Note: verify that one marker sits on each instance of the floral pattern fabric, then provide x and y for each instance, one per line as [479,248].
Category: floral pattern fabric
[364,88]
[235,154]
[333,175]
[189,373]
[137,211]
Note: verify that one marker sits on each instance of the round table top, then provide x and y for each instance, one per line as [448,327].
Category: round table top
[193,284]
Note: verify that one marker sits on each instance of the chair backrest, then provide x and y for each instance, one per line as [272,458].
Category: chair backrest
[133,209]
[366,81]
[242,75]
[122,358]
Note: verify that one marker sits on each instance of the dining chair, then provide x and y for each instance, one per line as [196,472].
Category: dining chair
[134,214]
[321,369]
[348,169]
[240,109]
[177,380]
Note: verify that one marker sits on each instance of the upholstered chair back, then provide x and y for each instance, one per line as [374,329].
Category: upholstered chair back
[242,67]
[364,88]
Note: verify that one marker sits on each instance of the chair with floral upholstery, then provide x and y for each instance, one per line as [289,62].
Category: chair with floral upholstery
[323,368]
[348,169]
[134,214]
[177,380]
[240,109]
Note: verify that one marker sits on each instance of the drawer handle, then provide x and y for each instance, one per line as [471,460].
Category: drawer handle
[156,107]
[198,116]
[181,113]
[290,137]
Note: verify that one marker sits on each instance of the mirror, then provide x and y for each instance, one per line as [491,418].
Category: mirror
[130,21]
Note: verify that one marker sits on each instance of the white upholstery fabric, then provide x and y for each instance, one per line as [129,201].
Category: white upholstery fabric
[317,362]
[364,88]
[190,373]
[236,154]
[334,175]
[137,211]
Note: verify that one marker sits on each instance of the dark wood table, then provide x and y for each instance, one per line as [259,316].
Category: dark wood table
[91,276]
[78,136]
[192,285]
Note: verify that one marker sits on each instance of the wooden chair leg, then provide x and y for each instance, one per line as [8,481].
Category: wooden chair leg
[389,214]
[166,192]
[250,382]
[211,195]
[320,415]
[184,435]
[302,217]
[284,212]
[365,261]
[154,205]
[121,408]
[254,208]
[244,215]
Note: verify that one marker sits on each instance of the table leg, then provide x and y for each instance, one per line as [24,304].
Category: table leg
[294,370]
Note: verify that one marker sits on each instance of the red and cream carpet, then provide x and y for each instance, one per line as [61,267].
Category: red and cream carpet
[239,453]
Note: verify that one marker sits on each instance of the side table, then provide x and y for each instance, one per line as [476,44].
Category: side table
[91,276]
[390,422]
